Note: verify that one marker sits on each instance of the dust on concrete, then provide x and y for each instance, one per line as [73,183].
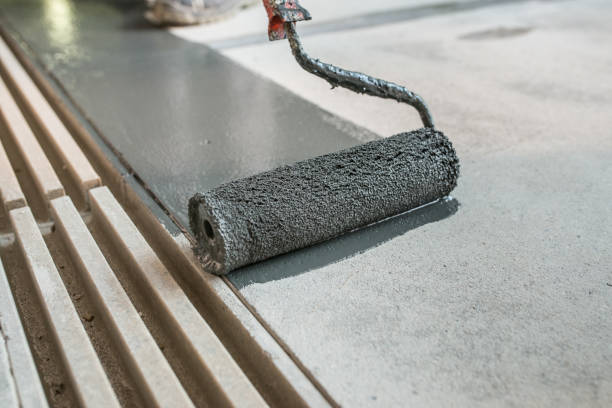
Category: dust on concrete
[123,385]
[4,221]
[179,363]
[54,377]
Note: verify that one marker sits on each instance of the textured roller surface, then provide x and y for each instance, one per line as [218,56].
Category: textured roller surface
[255,218]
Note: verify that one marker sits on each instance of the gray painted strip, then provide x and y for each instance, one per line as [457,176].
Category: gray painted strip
[185,117]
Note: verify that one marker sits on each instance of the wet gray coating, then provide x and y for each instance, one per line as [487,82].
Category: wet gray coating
[185,118]
[295,206]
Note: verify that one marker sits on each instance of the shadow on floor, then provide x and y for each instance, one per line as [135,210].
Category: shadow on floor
[346,246]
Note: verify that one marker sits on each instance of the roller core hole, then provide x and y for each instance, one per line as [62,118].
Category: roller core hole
[208,229]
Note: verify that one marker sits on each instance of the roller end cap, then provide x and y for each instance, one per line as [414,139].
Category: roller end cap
[210,247]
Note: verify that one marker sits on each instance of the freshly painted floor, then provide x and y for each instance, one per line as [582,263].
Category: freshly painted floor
[501,296]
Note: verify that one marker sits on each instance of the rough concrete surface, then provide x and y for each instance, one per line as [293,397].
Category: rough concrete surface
[299,205]
[488,93]
[502,302]
[253,21]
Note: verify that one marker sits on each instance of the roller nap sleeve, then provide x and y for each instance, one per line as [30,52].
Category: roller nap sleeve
[295,206]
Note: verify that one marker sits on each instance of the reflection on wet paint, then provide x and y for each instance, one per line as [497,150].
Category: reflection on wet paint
[60,19]
[59,16]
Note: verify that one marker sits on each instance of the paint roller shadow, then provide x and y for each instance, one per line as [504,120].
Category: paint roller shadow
[343,247]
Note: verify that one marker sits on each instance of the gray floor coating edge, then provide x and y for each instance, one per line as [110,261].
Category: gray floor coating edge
[144,89]
[181,114]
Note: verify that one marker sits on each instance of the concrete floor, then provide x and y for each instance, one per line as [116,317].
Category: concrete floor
[507,301]
[504,300]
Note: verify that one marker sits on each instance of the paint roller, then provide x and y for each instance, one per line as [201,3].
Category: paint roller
[295,206]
